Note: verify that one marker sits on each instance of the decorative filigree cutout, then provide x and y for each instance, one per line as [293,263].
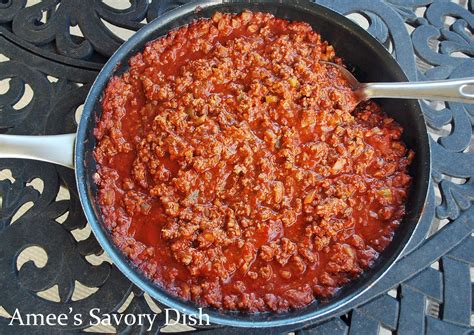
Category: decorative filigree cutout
[59,64]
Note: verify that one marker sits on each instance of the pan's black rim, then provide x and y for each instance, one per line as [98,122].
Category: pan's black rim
[87,199]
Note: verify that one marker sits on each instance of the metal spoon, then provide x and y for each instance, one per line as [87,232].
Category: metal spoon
[460,90]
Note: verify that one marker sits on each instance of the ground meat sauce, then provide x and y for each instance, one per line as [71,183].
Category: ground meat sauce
[234,171]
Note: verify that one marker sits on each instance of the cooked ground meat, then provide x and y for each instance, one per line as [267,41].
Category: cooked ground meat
[234,171]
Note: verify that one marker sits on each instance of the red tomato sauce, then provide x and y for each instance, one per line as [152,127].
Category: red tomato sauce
[234,171]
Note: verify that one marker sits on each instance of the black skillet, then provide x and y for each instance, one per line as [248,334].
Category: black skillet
[360,51]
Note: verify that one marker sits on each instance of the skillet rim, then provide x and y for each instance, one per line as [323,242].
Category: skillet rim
[128,268]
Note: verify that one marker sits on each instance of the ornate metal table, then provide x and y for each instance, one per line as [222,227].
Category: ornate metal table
[51,52]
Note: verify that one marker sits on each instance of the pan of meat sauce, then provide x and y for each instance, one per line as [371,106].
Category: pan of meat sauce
[234,170]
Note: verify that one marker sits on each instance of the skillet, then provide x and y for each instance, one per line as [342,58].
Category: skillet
[359,51]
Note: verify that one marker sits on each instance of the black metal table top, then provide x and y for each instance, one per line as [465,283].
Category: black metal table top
[428,291]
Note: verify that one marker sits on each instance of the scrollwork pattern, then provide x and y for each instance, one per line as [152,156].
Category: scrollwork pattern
[435,48]
[87,15]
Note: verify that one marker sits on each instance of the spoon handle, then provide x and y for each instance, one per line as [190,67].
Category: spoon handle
[459,90]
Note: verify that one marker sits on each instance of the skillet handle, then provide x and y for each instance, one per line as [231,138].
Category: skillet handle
[58,149]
